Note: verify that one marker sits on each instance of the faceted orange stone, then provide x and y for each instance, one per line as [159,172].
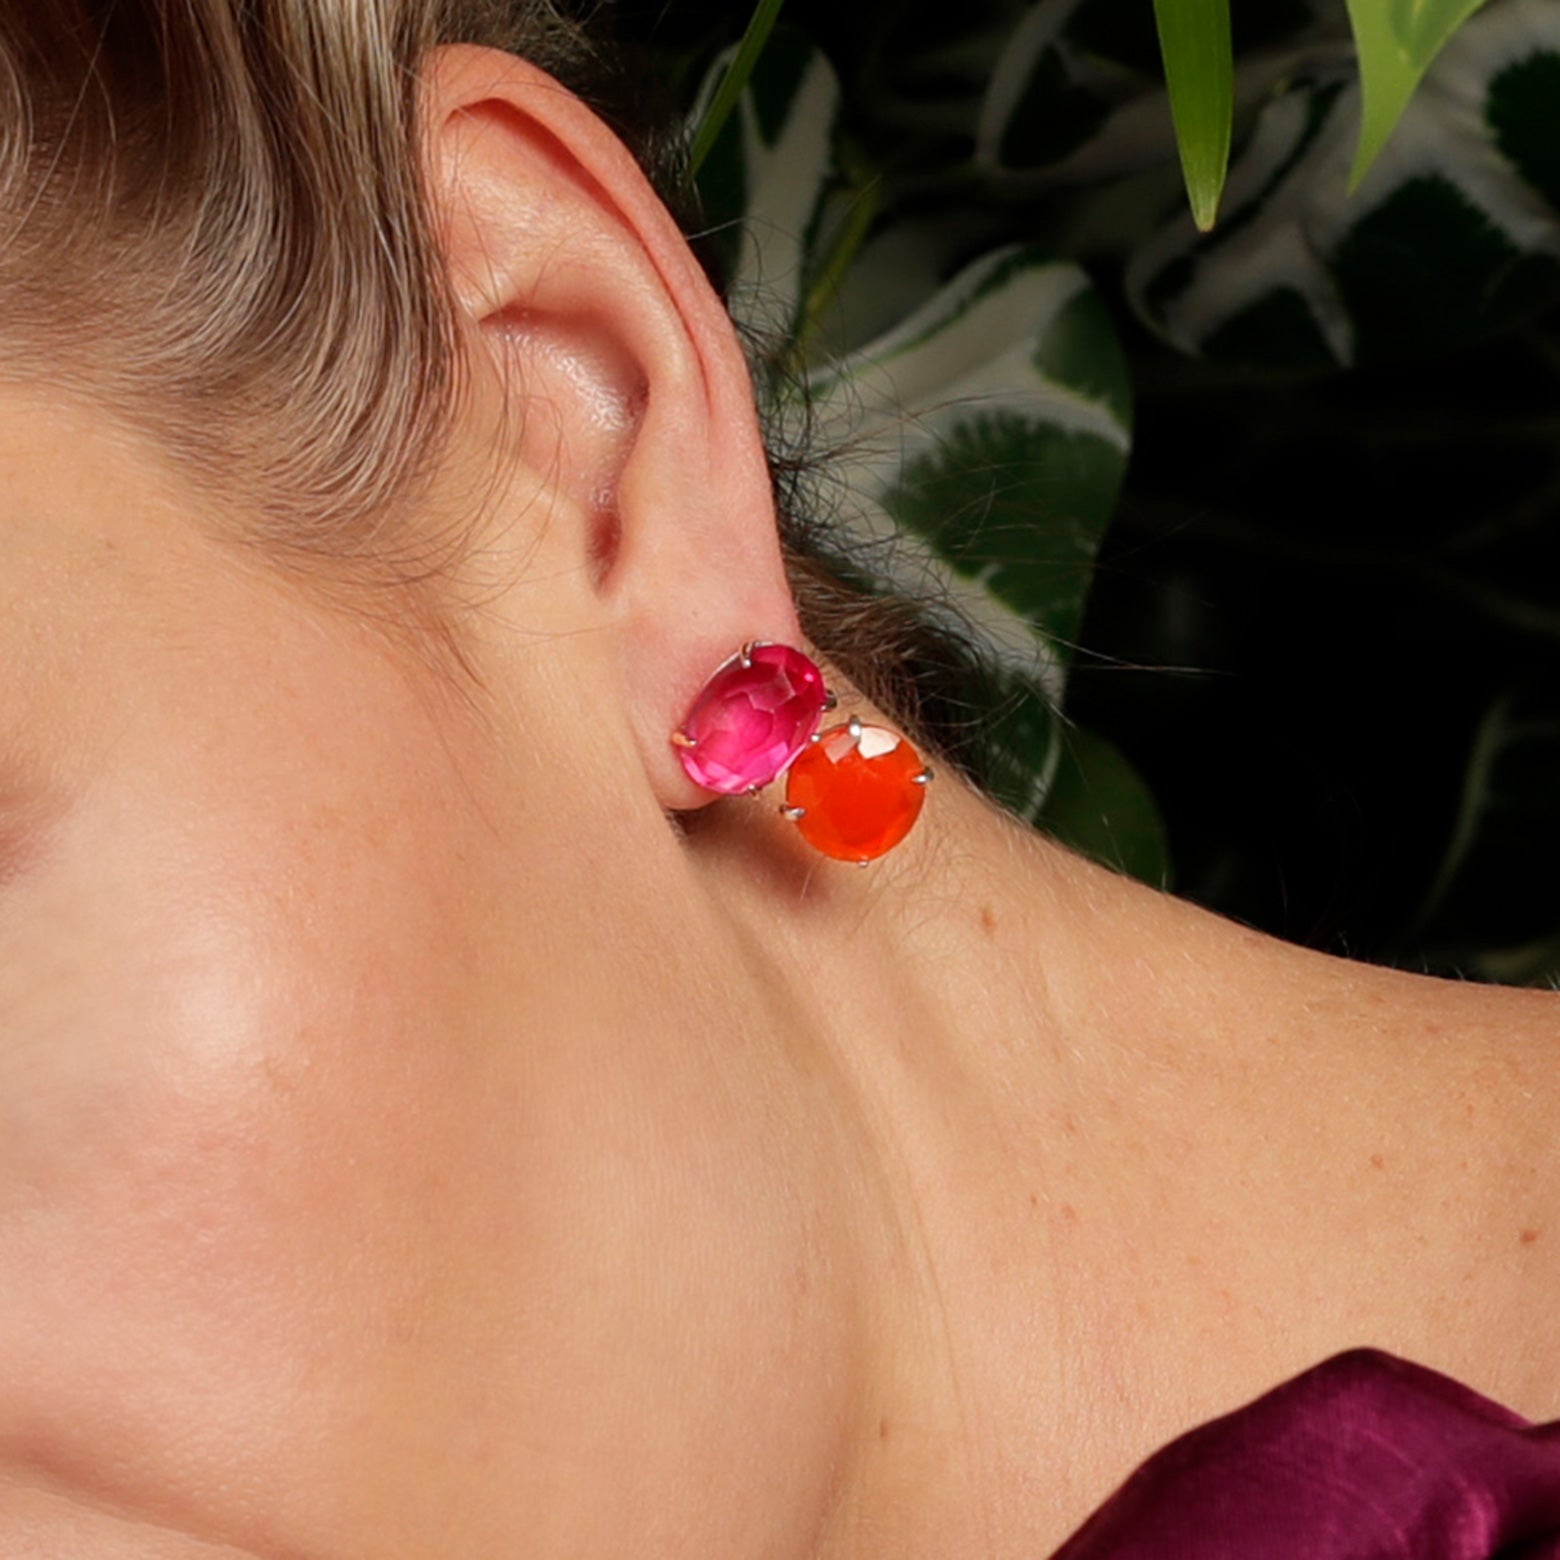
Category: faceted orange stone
[857,791]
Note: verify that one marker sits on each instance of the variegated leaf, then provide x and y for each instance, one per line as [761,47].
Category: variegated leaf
[765,181]
[1454,234]
[930,80]
[1396,40]
[1100,805]
[983,443]
[981,430]
[1077,92]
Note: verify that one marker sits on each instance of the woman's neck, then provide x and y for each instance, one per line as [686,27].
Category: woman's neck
[944,993]
[1102,1155]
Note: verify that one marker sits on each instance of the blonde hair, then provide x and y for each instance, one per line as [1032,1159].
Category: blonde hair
[216,227]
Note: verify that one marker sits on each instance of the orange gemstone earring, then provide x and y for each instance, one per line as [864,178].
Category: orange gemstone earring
[853,791]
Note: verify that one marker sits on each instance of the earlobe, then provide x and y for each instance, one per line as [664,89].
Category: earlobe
[633,402]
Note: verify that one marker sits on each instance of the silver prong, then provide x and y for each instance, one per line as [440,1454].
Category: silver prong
[753,790]
[924,778]
[831,700]
[793,813]
[683,740]
[817,736]
[745,654]
[863,863]
[854,723]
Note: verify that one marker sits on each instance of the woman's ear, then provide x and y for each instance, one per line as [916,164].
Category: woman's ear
[629,397]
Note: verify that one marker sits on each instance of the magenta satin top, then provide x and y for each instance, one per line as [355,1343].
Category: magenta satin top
[1364,1457]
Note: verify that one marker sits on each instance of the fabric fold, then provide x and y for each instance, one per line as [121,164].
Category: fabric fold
[1364,1457]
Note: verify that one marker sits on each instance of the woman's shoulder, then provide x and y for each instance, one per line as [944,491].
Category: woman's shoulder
[1412,1120]
[1338,1156]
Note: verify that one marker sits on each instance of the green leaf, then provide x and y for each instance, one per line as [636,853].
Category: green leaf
[766,180]
[1036,110]
[1455,238]
[1396,40]
[1480,274]
[982,444]
[1520,111]
[1100,806]
[725,96]
[1194,36]
[1531,964]
[1502,852]
[1493,734]
[1076,94]
[1022,726]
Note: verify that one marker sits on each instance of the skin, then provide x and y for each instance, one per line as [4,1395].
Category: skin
[429,1129]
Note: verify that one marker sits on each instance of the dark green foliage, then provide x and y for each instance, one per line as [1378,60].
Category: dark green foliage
[1321,619]
[1426,265]
[978,496]
[1099,805]
[1055,117]
[1522,114]
[1301,625]
[1279,322]
[1081,350]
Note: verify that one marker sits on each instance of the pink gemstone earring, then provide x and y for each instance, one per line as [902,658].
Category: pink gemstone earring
[759,709]
[854,791]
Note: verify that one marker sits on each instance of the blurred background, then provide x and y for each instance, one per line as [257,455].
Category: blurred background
[1299,624]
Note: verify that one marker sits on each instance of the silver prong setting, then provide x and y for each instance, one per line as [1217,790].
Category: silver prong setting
[745,654]
[683,740]
[793,813]
[925,777]
[853,725]
[831,700]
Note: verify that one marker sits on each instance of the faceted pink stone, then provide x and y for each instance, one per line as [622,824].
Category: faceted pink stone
[750,721]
